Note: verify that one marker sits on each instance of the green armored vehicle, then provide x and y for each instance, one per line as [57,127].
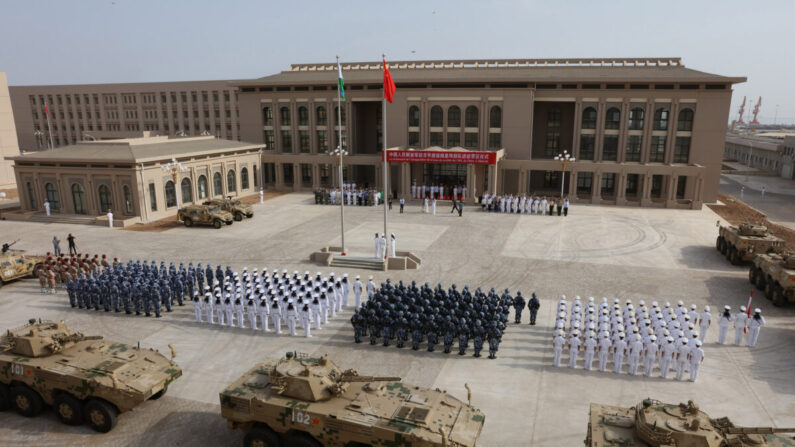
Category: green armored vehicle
[235,207]
[84,378]
[740,244]
[654,424]
[775,274]
[310,402]
[204,215]
[15,264]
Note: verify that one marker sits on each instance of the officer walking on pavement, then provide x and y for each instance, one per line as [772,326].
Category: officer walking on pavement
[534,304]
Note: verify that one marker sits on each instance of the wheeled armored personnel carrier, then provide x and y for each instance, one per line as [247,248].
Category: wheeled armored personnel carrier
[652,423]
[235,207]
[741,243]
[775,274]
[15,264]
[310,402]
[84,378]
[204,215]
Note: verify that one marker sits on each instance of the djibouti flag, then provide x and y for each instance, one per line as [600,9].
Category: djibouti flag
[341,81]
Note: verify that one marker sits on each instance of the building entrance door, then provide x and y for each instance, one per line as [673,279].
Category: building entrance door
[447,176]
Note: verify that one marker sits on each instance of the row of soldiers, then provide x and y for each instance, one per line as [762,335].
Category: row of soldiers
[443,192]
[417,315]
[642,337]
[62,268]
[350,196]
[520,204]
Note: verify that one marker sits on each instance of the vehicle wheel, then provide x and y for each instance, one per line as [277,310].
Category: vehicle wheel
[718,243]
[188,222]
[723,246]
[238,216]
[216,224]
[752,275]
[734,256]
[760,280]
[230,222]
[159,394]
[769,287]
[5,401]
[301,440]
[250,215]
[778,296]
[261,437]
[101,416]
[68,409]
[26,402]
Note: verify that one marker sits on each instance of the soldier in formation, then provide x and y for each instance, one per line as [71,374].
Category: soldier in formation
[423,314]
[523,204]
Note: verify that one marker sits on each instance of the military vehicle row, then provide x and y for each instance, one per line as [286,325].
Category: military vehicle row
[742,243]
[84,378]
[774,273]
[655,424]
[215,212]
[15,264]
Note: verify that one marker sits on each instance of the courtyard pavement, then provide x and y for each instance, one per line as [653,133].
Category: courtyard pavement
[649,254]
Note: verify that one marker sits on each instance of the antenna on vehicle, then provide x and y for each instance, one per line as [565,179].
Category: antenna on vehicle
[469,394]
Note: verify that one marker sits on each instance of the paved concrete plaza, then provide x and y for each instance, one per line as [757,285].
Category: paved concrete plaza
[650,254]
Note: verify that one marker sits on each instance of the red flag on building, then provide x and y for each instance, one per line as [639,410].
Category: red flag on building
[46,111]
[389,84]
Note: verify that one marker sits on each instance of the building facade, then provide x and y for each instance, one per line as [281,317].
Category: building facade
[8,136]
[788,158]
[111,111]
[643,132]
[770,152]
[130,176]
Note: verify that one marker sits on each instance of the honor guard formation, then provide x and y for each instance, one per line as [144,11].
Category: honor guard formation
[351,195]
[65,269]
[742,323]
[442,192]
[666,337]
[416,315]
[521,204]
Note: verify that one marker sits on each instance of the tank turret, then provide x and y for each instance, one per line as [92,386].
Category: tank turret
[748,229]
[42,338]
[314,379]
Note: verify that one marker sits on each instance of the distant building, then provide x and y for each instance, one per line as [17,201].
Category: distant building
[788,158]
[8,136]
[127,176]
[765,153]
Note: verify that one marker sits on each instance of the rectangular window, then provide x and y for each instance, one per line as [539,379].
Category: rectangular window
[681,185]
[453,139]
[552,146]
[287,171]
[437,139]
[657,149]
[471,139]
[610,148]
[152,197]
[495,140]
[587,145]
[414,139]
[553,117]
[632,185]
[268,138]
[608,187]
[551,179]
[325,175]
[322,141]
[306,175]
[584,182]
[303,141]
[656,186]
[682,150]
[287,141]
[634,144]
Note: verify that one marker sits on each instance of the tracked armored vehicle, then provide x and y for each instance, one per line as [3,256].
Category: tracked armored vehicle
[84,378]
[654,424]
[740,244]
[234,207]
[775,274]
[15,264]
[310,402]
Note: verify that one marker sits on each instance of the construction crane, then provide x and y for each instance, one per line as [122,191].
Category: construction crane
[756,111]
[742,112]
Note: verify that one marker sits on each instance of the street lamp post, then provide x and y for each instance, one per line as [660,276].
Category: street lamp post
[174,168]
[563,158]
[339,151]
[39,136]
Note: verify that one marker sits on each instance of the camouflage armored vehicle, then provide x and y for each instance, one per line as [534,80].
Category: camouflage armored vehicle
[308,402]
[84,378]
[654,424]
[741,244]
[237,209]
[204,215]
[15,264]
[775,274]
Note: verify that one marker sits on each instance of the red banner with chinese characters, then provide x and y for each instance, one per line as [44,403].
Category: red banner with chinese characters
[469,158]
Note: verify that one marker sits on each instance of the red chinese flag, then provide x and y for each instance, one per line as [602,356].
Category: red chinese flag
[46,110]
[389,85]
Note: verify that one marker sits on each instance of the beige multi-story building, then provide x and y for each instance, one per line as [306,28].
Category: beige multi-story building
[8,136]
[110,111]
[643,131]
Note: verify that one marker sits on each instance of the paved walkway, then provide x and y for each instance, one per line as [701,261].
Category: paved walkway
[779,200]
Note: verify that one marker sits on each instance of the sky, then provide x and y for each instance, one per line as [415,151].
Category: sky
[111,41]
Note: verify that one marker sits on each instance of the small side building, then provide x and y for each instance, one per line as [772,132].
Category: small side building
[131,176]
[8,136]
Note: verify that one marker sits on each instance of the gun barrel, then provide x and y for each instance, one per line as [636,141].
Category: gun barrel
[369,379]
[758,430]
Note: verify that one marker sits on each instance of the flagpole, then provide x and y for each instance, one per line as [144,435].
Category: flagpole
[383,121]
[49,127]
[339,149]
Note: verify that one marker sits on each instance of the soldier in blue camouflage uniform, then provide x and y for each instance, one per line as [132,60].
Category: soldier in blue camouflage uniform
[518,305]
[495,335]
[477,333]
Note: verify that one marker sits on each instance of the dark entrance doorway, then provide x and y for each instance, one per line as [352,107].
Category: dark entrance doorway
[445,175]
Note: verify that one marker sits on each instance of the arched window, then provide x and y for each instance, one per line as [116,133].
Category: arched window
[267,116]
[454,117]
[187,192]
[244,179]
[661,119]
[437,116]
[685,123]
[589,118]
[303,116]
[495,117]
[105,203]
[636,119]
[202,184]
[79,198]
[218,186]
[128,207]
[414,116]
[337,116]
[52,196]
[171,194]
[284,116]
[613,118]
[321,117]
[231,185]
[471,117]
